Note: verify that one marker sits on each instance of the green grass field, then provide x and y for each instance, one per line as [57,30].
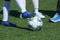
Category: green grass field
[49,31]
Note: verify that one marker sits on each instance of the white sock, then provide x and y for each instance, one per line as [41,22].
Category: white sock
[36,5]
[6,8]
[22,5]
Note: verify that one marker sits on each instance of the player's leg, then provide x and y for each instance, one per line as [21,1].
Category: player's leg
[36,6]
[56,17]
[6,8]
[22,6]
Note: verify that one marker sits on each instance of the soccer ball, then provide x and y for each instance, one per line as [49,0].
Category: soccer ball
[35,23]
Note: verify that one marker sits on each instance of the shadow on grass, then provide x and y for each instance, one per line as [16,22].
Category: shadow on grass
[15,13]
[48,12]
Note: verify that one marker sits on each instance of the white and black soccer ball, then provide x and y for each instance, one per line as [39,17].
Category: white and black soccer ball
[35,23]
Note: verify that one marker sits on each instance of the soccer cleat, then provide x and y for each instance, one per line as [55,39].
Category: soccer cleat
[6,23]
[56,18]
[27,15]
[39,14]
